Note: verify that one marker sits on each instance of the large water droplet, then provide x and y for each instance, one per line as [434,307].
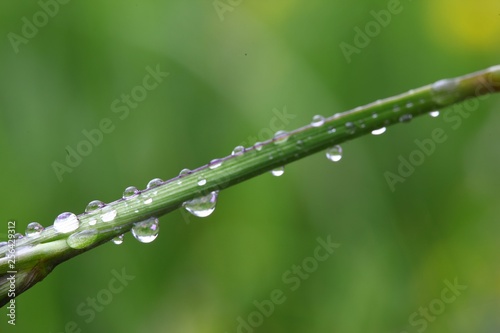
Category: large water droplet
[214,164]
[130,192]
[238,150]
[202,206]
[444,92]
[33,229]
[278,171]
[406,118]
[154,183]
[280,137]
[434,114]
[66,222]
[146,231]
[118,239]
[82,239]
[318,120]
[334,153]
[94,205]
[108,214]
[379,131]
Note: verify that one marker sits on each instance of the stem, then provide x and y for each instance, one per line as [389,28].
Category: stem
[37,256]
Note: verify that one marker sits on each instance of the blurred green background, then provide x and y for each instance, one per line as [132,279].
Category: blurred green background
[228,72]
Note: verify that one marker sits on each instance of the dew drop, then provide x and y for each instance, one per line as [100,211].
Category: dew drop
[184,172]
[379,131]
[258,146]
[318,121]
[332,130]
[154,183]
[94,205]
[202,206]
[280,137]
[118,239]
[66,222]
[146,231]
[374,115]
[396,108]
[409,105]
[405,118]
[350,128]
[444,92]
[238,150]
[18,236]
[108,214]
[82,239]
[214,164]
[148,201]
[278,171]
[434,114]
[92,222]
[130,192]
[299,144]
[334,153]
[33,229]
[201,181]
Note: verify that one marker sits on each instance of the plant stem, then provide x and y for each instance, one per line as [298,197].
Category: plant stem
[37,256]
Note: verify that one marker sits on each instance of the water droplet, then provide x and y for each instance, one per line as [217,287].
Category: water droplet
[396,108]
[154,183]
[118,239]
[332,130]
[238,150]
[108,214]
[278,171]
[82,239]
[33,229]
[374,115]
[146,231]
[434,114]
[148,201]
[318,121]
[258,146]
[300,144]
[92,222]
[66,222]
[379,131]
[350,128]
[184,172]
[130,192]
[202,206]
[405,118]
[214,164]
[444,92]
[94,205]
[409,105]
[280,137]
[334,153]
[18,236]
[201,181]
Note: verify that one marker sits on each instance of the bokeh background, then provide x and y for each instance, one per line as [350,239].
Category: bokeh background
[228,72]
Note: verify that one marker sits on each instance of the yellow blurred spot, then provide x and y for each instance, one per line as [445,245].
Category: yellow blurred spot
[464,23]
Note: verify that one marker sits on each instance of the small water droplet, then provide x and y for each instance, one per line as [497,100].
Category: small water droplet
[332,130]
[33,229]
[318,120]
[201,181]
[148,201]
[396,108]
[374,115]
[409,105]
[405,118]
[66,222]
[238,150]
[202,206]
[278,171]
[154,183]
[82,239]
[94,205]
[214,164]
[334,153]
[434,114]
[300,144]
[379,131]
[258,146]
[118,239]
[18,236]
[350,128]
[130,192]
[108,214]
[146,231]
[444,92]
[280,137]
[184,172]
[92,222]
